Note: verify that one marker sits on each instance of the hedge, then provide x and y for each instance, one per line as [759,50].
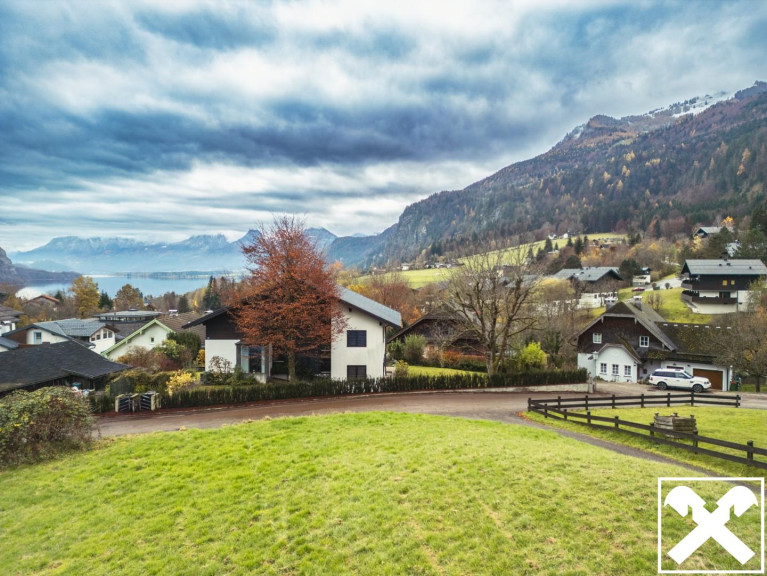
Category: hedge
[210,395]
[42,424]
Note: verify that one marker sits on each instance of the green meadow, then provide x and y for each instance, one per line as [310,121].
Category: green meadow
[367,494]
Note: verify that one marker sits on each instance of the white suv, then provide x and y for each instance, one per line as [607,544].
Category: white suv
[678,378]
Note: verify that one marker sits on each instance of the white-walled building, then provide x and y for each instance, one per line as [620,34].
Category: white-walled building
[630,340]
[360,352]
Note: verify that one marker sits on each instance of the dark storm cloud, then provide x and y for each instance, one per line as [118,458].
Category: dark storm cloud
[318,104]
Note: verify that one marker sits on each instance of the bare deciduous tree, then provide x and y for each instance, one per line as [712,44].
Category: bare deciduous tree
[493,295]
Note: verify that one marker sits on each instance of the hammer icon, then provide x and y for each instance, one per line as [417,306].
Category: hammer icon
[711,524]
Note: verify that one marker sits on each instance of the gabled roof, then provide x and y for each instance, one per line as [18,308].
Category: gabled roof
[435,316]
[718,267]
[9,314]
[645,315]
[177,322]
[8,344]
[35,365]
[362,303]
[135,333]
[375,309]
[708,230]
[625,347]
[71,327]
[591,274]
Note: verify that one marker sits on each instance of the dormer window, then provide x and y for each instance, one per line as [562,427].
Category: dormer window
[596,337]
[644,341]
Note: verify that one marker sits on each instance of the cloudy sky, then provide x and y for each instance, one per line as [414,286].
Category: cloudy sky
[159,120]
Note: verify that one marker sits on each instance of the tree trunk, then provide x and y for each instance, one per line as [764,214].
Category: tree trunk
[759,383]
[291,366]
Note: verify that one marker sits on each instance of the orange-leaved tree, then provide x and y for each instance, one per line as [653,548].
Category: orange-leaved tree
[290,299]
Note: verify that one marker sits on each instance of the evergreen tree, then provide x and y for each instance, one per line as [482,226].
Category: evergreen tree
[105,302]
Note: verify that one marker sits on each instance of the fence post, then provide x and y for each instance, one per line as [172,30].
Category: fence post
[695,439]
[545,410]
[613,402]
[529,404]
[668,399]
[749,452]
[641,400]
[692,397]
[617,422]
[588,417]
[737,401]
[565,413]
[652,429]
[587,402]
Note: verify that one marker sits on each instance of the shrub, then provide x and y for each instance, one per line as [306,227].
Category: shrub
[531,357]
[180,381]
[397,349]
[413,349]
[42,424]
[401,369]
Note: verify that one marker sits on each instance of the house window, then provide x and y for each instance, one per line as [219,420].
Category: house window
[356,372]
[356,338]
[724,282]
[644,341]
[38,337]
[616,370]
[627,371]
[603,368]
[151,339]
[596,337]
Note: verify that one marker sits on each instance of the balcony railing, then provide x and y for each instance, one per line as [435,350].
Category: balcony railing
[695,297]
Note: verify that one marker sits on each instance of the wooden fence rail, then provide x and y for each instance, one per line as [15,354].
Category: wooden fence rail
[564,411]
[643,400]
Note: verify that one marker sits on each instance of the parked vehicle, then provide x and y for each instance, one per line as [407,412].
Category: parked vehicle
[678,378]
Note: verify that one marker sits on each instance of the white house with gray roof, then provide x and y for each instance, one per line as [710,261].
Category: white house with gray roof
[360,352]
[91,333]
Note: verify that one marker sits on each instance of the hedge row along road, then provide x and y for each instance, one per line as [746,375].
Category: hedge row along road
[479,404]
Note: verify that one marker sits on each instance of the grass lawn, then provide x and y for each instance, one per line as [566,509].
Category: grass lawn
[671,306]
[434,371]
[731,424]
[369,494]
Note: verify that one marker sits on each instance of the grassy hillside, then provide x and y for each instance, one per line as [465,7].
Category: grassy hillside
[345,494]
[420,278]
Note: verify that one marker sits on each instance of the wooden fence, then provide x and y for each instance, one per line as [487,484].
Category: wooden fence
[566,409]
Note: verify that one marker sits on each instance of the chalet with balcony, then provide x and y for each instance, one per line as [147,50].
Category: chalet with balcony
[720,286]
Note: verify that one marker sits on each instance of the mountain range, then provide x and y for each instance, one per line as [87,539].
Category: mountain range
[212,253]
[662,172]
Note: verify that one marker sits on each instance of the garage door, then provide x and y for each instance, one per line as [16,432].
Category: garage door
[714,376]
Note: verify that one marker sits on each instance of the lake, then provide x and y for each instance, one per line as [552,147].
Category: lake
[111,284]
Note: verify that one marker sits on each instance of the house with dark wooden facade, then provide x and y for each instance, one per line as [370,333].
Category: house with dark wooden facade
[720,286]
[631,340]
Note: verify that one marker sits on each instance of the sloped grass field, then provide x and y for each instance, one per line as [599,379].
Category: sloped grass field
[737,425]
[368,494]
